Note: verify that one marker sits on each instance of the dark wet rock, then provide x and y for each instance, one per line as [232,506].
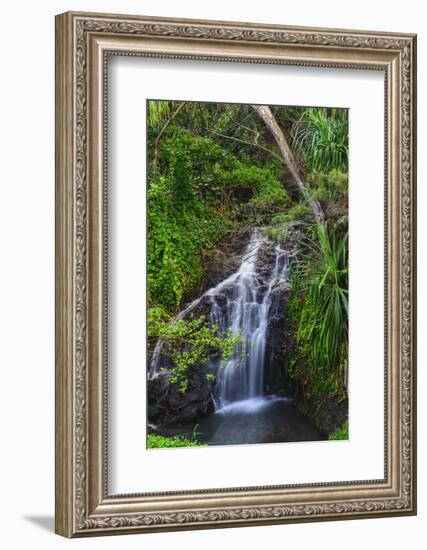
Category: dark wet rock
[223,262]
[220,300]
[203,308]
[332,414]
[228,292]
[171,406]
[153,412]
[262,289]
[243,193]
[278,342]
[248,210]
[266,260]
[328,415]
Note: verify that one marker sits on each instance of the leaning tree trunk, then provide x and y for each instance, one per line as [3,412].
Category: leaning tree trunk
[267,116]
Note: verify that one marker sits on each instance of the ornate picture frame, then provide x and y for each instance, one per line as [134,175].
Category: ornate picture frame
[84,42]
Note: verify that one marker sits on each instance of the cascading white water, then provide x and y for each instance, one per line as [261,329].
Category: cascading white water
[242,303]
[246,312]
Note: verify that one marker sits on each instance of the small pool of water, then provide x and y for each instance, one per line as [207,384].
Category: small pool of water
[263,419]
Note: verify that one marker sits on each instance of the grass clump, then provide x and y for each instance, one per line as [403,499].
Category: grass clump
[161,442]
[341,433]
[276,234]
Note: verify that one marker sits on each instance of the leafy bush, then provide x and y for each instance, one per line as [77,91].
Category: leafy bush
[178,230]
[189,344]
[161,442]
[192,205]
[328,187]
[270,198]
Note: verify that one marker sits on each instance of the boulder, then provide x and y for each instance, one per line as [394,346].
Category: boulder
[278,342]
[171,406]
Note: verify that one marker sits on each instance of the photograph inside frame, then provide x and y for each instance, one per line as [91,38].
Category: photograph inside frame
[247,274]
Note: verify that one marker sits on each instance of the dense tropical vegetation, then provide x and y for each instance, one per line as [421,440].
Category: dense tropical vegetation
[217,168]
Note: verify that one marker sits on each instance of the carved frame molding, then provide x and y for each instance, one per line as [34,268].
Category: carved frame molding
[83,43]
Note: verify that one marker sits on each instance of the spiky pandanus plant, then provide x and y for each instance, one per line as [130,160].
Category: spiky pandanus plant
[322,284]
[321,138]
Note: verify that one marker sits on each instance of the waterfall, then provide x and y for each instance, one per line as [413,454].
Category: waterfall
[242,303]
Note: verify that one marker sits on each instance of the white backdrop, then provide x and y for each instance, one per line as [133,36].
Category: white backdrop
[27,319]
[132,467]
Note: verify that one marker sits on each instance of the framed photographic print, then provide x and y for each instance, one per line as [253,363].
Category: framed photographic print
[235,274]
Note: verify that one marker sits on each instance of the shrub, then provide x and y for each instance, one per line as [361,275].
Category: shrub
[327,187]
[190,343]
[192,204]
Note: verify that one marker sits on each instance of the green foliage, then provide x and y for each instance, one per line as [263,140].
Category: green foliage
[277,230]
[158,112]
[215,168]
[189,344]
[319,306]
[321,137]
[298,211]
[340,433]
[271,196]
[157,318]
[279,219]
[328,187]
[179,229]
[277,234]
[328,292]
[161,442]
[192,205]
